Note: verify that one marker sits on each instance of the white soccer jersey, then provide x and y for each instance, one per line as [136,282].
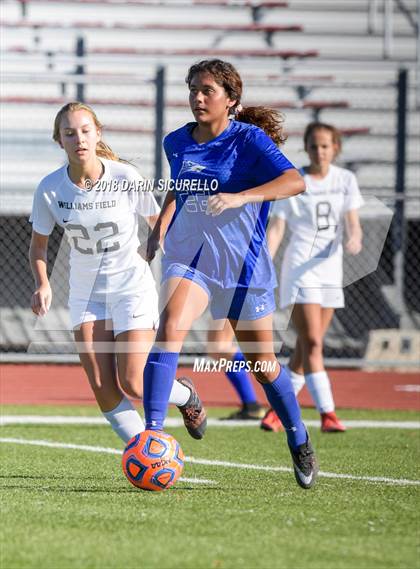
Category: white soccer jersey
[102,228]
[314,255]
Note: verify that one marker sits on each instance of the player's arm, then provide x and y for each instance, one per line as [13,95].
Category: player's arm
[41,298]
[288,184]
[164,217]
[151,220]
[353,231]
[145,248]
[160,226]
[275,234]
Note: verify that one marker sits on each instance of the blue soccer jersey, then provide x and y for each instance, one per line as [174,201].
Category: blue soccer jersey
[229,248]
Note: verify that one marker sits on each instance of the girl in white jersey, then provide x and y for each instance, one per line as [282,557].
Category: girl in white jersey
[113,301]
[312,270]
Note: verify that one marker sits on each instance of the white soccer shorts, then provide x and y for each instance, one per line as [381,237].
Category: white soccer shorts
[327,297]
[131,312]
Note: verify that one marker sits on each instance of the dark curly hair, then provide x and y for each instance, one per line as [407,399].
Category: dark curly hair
[226,75]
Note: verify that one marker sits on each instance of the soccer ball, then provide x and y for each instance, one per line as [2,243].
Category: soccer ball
[153,461]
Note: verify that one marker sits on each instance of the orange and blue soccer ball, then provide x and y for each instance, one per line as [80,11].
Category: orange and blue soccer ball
[153,461]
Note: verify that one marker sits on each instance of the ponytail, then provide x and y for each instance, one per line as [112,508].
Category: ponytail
[269,120]
[105,151]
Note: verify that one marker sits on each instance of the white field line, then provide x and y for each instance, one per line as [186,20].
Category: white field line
[88,448]
[383,479]
[222,463]
[174,422]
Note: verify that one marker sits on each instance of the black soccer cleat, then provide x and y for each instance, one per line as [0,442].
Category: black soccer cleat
[305,464]
[193,412]
[248,412]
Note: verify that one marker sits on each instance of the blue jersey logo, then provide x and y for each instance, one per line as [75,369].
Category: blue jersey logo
[190,166]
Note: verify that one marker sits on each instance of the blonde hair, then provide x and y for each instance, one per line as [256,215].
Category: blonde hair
[102,149]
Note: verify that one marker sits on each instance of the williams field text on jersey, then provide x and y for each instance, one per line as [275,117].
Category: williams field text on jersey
[81,206]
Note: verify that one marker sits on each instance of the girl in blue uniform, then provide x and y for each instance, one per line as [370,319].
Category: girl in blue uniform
[224,173]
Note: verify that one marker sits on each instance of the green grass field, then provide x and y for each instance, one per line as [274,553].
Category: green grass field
[71,508]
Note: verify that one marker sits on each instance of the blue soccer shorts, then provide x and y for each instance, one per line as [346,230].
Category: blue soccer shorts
[239,303]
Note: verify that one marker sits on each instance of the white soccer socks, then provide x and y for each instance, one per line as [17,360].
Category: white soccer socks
[319,387]
[179,394]
[124,420]
[298,380]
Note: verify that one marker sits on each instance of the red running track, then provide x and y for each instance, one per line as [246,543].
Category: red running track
[22,384]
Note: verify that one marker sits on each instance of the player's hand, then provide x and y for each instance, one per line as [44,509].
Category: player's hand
[353,246]
[41,300]
[220,202]
[148,249]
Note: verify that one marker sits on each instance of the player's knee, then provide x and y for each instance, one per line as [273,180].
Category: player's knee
[169,330]
[313,344]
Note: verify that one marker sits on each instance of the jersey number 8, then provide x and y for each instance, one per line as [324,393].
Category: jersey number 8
[323,210]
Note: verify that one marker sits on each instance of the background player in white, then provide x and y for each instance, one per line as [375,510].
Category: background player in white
[311,276]
[113,300]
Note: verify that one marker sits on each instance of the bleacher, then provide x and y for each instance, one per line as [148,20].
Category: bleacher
[131,37]
[328,60]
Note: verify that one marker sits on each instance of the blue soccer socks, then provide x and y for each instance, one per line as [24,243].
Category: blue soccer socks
[159,375]
[282,399]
